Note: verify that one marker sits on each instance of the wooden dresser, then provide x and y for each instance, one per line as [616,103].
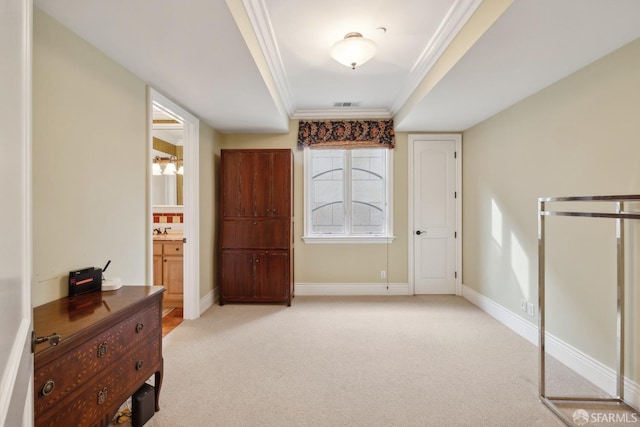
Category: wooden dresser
[110,344]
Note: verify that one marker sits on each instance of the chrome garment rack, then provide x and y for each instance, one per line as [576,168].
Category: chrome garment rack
[619,215]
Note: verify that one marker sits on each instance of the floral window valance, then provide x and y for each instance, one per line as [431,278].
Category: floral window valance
[346,133]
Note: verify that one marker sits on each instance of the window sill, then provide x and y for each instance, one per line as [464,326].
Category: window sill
[361,240]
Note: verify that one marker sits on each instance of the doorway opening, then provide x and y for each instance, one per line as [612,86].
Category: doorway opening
[173,189]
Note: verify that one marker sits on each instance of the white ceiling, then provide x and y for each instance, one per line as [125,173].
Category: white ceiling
[251,65]
[167,126]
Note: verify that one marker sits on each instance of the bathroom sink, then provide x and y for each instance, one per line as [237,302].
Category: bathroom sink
[169,236]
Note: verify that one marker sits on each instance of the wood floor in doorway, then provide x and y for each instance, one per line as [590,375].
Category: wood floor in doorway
[171,319]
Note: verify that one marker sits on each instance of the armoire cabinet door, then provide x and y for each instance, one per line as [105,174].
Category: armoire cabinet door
[237,274]
[281,184]
[238,176]
[263,163]
[272,275]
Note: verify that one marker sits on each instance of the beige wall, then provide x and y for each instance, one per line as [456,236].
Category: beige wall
[343,263]
[577,137]
[89,142]
[209,188]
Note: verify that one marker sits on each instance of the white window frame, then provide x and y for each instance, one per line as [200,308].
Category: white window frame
[320,238]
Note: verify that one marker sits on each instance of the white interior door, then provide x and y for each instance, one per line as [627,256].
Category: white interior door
[16,360]
[434,225]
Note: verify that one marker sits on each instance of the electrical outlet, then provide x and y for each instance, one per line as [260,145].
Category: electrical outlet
[383,274]
[523,305]
[531,310]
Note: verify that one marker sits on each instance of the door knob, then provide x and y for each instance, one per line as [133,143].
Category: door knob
[420,232]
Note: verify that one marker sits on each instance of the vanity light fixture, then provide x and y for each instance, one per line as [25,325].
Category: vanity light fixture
[169,166]
[156,169]
[170,169]
[353,50]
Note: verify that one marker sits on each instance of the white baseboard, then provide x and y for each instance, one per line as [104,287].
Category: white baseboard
[344,289]
[520,326]
[207,301]
[584,365]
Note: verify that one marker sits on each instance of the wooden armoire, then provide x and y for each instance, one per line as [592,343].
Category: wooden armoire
[256,230]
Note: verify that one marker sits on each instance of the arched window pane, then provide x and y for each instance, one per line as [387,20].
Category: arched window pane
[347,192]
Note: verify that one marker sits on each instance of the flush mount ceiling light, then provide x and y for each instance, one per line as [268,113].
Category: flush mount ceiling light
[353,50]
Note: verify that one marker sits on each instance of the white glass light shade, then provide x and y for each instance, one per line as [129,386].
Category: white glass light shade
[180,170]
[353,50]
[156,169]
[170,169]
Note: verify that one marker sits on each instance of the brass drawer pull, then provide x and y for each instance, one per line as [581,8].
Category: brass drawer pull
[139,327]
[102,350]
[102,396]
[47,388]
[139,364]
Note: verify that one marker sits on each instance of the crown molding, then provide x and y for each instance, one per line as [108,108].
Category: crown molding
[451,25]
[259,17]
[351,113]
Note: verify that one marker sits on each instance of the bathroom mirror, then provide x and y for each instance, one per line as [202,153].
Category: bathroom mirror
[167,148]
[166,189]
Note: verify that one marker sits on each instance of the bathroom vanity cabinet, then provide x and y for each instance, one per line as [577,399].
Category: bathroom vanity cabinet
[168,270]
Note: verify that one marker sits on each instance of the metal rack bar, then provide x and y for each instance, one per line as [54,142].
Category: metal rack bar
[616,198]
[619,215]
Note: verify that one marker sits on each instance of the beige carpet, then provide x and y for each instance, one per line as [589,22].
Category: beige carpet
[352,361]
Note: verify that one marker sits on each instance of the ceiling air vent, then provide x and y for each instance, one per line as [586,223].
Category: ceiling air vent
[346,104]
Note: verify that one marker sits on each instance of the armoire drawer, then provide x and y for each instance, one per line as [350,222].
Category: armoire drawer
[265,234]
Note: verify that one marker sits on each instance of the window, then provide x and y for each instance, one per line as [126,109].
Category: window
[347,195]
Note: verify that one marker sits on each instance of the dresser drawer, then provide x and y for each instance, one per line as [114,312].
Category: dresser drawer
[139,327]
[102,395]
[55,380]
